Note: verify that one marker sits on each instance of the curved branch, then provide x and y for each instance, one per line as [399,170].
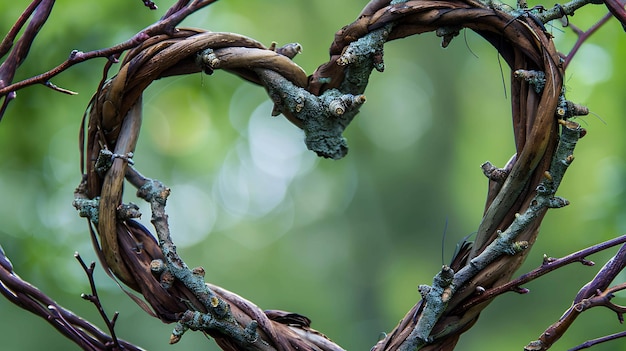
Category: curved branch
[593,294]
[28,297]
[549,265]
[323,105]
[7,70]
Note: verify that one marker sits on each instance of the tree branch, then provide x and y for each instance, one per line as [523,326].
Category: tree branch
[165,26]
[549,265]
[323,105]
[84,334]
[593,294]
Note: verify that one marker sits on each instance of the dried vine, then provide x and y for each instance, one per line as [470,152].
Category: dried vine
[323,105]
[115,118]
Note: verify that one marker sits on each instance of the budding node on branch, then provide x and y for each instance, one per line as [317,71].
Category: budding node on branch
[157,266]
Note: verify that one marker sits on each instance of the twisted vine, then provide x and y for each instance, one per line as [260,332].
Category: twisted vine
[323,105]
[115,118]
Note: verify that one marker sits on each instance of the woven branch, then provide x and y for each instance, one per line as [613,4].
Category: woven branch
[114,119]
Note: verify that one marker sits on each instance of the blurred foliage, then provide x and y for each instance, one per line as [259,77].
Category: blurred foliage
[343,242]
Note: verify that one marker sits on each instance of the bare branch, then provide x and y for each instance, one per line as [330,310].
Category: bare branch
[41,10]
[8,40]
[593,294]
[590,343]
[164,26]
[616,7]
[583,36]
[549,265]
[28,297]
[93,298]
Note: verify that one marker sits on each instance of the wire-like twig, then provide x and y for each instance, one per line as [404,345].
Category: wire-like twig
[593,342]
[8,40]
[39,10]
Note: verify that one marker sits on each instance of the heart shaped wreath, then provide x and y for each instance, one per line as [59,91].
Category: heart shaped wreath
[323,105]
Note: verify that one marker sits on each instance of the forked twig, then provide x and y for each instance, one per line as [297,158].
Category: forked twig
[583,36]
[165,26]
[595,293]
[548,265]
[83,333]
[95,299]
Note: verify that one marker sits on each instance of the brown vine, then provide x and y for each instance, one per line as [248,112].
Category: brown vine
[114,119]
[114,122]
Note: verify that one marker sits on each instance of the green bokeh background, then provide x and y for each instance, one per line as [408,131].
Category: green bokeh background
[344,242]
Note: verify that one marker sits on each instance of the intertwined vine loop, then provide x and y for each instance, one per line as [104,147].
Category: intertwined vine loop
[114,120]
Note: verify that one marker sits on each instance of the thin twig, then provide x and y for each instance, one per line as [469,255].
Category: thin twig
[559,10]
[81,332]
[547,267]
[164,26]
[39,10]
[7,42]
[95,299]
[593,294]
[593,342]
[20,51]
[583,36]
